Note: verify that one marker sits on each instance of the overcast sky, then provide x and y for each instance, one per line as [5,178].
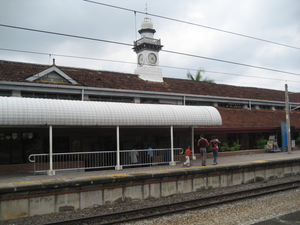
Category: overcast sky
[271,20]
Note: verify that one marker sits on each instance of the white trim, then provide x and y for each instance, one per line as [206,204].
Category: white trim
[49,70]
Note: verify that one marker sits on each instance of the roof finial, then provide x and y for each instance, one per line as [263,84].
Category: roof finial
[53,62]
[146,9]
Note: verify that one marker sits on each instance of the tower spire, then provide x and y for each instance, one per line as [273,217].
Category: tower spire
[146,9]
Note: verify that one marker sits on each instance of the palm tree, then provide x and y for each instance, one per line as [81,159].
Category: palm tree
[199,77]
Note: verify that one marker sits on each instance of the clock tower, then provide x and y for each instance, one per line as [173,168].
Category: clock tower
[147,49]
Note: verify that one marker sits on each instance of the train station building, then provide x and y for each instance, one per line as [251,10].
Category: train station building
[84,107]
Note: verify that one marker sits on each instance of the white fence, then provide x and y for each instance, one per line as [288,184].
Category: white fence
[103,159]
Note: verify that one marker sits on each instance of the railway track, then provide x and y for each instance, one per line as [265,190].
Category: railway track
[155,211]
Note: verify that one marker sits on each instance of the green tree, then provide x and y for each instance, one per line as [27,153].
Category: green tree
[198,76]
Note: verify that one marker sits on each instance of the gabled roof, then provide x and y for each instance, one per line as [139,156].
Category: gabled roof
[50,70]
[19,72]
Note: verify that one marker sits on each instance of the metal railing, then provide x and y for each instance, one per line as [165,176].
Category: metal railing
[147,40]
[103,159]
[148,156]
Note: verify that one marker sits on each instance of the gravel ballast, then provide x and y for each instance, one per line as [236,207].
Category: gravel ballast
[244,212]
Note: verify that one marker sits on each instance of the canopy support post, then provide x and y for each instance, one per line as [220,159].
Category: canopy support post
[172,162]
[50,172]
[118,166]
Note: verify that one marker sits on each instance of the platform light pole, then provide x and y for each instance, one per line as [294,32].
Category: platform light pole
[287,114]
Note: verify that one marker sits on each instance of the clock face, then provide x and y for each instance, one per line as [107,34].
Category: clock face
[141,59]
[152,58]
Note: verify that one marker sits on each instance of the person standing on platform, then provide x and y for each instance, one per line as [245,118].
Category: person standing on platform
[215,147]
[202,143]
[187,154]
[134,156]
[150,155]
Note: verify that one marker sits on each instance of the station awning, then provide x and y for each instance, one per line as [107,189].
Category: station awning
[45,112]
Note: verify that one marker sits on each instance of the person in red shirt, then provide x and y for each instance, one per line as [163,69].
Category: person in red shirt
[202,143]
[187,153]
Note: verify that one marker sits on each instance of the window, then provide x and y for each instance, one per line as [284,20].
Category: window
[110,98]
[198,103]
[5,93]
[150,100]
[264,107]
[27,94]
[230,105]
[49,95]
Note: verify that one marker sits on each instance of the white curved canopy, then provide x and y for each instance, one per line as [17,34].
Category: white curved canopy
[40,112]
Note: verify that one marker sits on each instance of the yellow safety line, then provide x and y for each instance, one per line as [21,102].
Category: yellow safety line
[33,181]
[151,171]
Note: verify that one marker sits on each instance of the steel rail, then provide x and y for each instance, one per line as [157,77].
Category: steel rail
[98,217]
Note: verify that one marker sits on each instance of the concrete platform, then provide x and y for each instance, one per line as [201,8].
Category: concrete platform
[23,194]
[27,178]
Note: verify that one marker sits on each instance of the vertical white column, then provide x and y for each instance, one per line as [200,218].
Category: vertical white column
[118,166]
[82,94]
[50,172]
[172,162]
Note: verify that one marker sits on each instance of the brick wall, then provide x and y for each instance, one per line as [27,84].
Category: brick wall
[16,168]
[40,166]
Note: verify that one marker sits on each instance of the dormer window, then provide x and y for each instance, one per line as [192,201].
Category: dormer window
[52,75]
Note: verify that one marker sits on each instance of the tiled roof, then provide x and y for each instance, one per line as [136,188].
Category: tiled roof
[232,118]
[18,72]
[256,117]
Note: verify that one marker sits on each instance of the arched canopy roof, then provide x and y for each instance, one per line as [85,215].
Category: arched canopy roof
[43,112]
